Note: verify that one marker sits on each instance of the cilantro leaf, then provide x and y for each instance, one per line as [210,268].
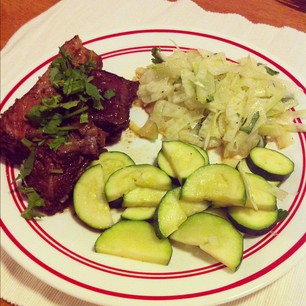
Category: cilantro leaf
[157,58]
[109,93]
[34,201]
[92,91]
[281,214]
[248,129]
[57,142]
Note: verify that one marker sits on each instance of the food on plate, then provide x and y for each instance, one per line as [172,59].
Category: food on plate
[127,179]
[138,213]
[214,235]
[112,161]
[62,124]
[60,131]
[143,197]
[205,99]
[172,154]
[134,240]
[170,214]
[219,183]
[89,201]
[239,200]
[271,164]
[254,222]
[260,193]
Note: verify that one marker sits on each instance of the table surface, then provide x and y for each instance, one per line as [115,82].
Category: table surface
[279,13]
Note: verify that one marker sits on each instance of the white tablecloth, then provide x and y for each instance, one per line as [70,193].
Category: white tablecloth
[89,19]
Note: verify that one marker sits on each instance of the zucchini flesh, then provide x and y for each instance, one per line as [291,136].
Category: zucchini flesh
[138,213]
[89,200]
[219,183]
[141,196]
[128,178]
[242,167]
[182,158]
[252,222]
[191,208]
[270,164]
[260,193]
[135,240]
[164,164]
[112,161]
[169,214]
[214,235]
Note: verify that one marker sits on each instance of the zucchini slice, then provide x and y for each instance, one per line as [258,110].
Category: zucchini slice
[179,159]
[142,196]
[138,213]
[191,208]
[169,214]
[242,167]
[128,178]
[135,240]
[89,201]
[219,183]
[252,222]
[270,164]
[111,161]
[214,235]
[259,193]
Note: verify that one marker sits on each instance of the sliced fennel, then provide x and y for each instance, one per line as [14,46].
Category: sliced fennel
[204,99]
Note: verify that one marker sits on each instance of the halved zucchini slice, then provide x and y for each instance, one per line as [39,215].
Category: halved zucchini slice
[138,213]
[252,222]
[219,183]
[214,235]
[260,194]
[242,167]
[89,200]
[179,159]
[169,214]
[142,196]
[270,164]
[135,240]
[111,161]
[128,178]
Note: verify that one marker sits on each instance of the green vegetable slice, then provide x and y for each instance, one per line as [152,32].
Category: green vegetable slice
[135,240]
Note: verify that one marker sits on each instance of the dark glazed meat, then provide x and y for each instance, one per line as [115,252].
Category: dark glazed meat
[13,124]
[55,172]
[115,115]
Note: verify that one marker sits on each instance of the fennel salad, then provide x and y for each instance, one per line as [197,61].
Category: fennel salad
[210,101]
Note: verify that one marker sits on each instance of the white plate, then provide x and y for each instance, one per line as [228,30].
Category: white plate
[59,250]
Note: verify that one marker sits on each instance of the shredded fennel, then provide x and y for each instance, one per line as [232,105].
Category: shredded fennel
[202,98]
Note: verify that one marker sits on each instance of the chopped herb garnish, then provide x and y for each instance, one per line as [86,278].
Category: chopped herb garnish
[55,116]
[248,129]
[27,165]
[269,70]
[75,91]
[210,98]
[57,142]
[281,214]
[157,58]
[57,171]
[27,142]
[84,118]
[286,99]
[108,94]
[34,201]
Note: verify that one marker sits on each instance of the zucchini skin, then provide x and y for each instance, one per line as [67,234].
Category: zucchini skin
[248,230]
[265,174]
[273,177]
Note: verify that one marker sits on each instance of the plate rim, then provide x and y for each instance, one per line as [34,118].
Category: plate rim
[186,32]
